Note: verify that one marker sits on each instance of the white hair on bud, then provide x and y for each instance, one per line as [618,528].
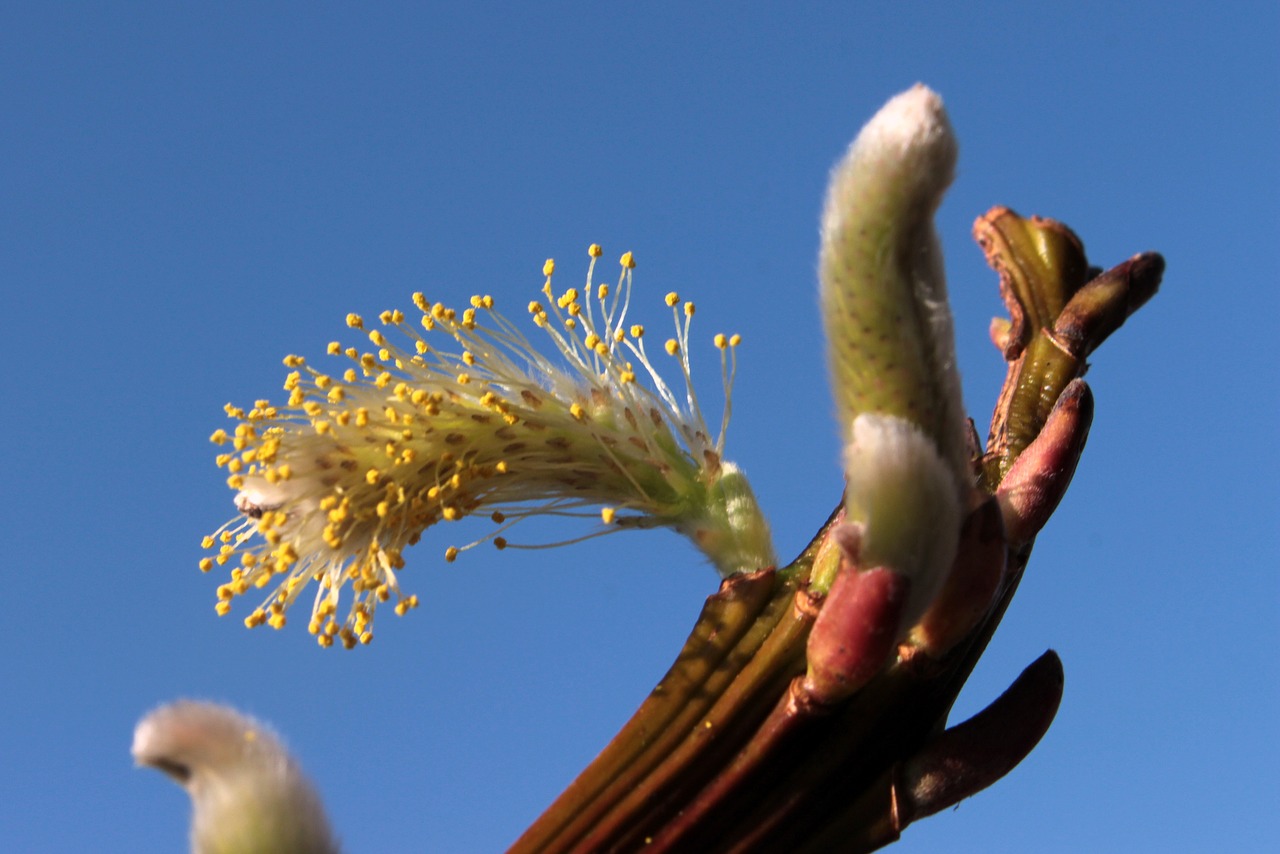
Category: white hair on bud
[912,128]
[905,500]
[247,792]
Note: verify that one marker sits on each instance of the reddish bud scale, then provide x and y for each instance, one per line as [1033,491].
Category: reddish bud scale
[854,633]
[969,757]
[1038,479]
[971,586]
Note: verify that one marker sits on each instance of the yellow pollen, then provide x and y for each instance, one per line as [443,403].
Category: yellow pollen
[672,346]
[637,331]
[721,340]
[594,250]
[672,298]
[450,554]
[549,267]
[628,261]
[355,321]
[689,309]
[607,515]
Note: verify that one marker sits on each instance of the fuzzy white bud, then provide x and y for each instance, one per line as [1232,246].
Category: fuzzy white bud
[892,346]
[247,794]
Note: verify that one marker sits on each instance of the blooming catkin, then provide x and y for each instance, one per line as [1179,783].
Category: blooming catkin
[458,415]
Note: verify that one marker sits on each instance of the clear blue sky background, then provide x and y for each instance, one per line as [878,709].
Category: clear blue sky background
[188,192]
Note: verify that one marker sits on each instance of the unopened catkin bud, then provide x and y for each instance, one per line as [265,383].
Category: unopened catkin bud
[247,792]
[891,344]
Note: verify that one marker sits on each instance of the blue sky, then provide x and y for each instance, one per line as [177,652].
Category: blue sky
[188,193]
